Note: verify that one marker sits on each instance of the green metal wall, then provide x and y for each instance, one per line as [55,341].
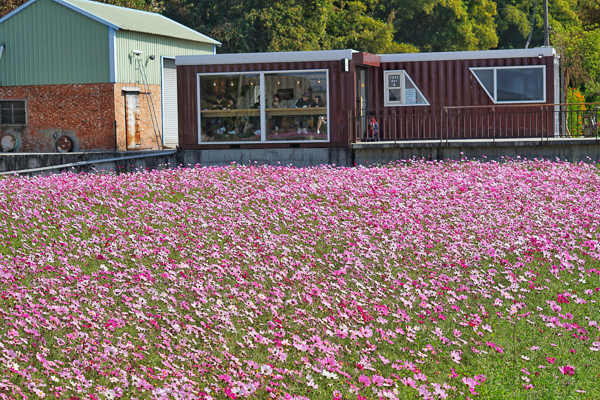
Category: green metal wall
[127,68]
[47,44]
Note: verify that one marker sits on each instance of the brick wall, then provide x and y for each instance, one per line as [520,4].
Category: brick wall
[149,139]
[85,113]
[92,115]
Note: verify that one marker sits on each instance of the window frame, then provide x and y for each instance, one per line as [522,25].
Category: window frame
[401,103]
[24,101]
[263,112]
[494,96]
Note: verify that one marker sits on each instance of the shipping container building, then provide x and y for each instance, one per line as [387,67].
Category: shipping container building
[338,97]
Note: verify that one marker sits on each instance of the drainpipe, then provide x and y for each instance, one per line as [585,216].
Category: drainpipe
[2,46]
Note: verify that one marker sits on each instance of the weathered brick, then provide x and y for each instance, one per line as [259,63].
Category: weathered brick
[88,114]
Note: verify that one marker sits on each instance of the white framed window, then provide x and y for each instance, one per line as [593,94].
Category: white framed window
[519,84]
[400,90]
[263,106]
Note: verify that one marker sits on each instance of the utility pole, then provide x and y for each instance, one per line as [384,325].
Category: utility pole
[546,33]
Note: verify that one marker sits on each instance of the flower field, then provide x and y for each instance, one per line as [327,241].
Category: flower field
[448,280]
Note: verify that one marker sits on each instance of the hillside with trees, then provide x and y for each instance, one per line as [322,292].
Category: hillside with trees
[392,26]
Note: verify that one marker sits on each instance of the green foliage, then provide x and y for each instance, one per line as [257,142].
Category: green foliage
[351,27]
[589,13]
[294,25]
[514,21]
[580,56]
[575,112]
[442,25]
[391,26]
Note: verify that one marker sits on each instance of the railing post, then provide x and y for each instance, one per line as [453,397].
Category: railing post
[441,132]
[494,126]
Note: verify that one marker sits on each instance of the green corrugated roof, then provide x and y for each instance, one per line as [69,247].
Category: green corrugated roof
[139,21]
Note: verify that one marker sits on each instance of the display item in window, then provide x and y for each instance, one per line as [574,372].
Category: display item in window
[303,122]
[318,102]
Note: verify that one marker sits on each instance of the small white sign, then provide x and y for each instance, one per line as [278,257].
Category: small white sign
[410,96]
[393,81]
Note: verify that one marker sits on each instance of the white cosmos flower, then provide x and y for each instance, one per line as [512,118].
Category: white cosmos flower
[266,369]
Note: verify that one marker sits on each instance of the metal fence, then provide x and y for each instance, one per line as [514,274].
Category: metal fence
[542,121]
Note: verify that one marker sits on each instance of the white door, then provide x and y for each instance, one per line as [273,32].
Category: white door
[169,103]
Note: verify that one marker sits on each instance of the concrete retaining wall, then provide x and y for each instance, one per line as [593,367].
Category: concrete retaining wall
[587,150]
[573,150]
[298,157]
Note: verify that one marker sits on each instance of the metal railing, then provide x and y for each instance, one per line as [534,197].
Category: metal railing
[541,121]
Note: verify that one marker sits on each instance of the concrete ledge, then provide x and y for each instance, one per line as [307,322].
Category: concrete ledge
[565,152]
[22,161]
[572,150]
[297,157]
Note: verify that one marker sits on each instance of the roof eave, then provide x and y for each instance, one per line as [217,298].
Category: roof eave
[17,10]
[206,38]
[87,14]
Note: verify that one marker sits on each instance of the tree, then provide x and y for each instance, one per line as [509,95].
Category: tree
[442,25]
[589,13]
[580,56]
[351,27]
[293,25]
[514,21]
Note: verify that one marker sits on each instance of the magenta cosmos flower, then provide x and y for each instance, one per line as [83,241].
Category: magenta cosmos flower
[567,370]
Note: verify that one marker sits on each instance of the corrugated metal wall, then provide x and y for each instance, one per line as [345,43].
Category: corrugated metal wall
[450,83]
[47,44]
[341,98]
[127,68]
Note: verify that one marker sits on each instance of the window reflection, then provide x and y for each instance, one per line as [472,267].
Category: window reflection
[295,106]
[230,108]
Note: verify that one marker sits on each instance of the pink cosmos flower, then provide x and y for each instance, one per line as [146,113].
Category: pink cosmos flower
[561,298]
[364,380]
[378,380]
[455,356]
[567,370]
[551,360]
[409,382]
[420,377]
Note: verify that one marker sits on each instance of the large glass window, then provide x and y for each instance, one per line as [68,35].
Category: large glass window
[264,106]
[297,105]
[230,108]
[513,84]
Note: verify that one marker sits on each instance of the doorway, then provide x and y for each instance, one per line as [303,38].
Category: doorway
[362,103]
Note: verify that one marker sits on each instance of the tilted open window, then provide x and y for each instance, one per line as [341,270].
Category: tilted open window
[523,84]
[400,90]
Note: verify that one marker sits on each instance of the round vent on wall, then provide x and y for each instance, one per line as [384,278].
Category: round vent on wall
[64,144]
[8,143]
